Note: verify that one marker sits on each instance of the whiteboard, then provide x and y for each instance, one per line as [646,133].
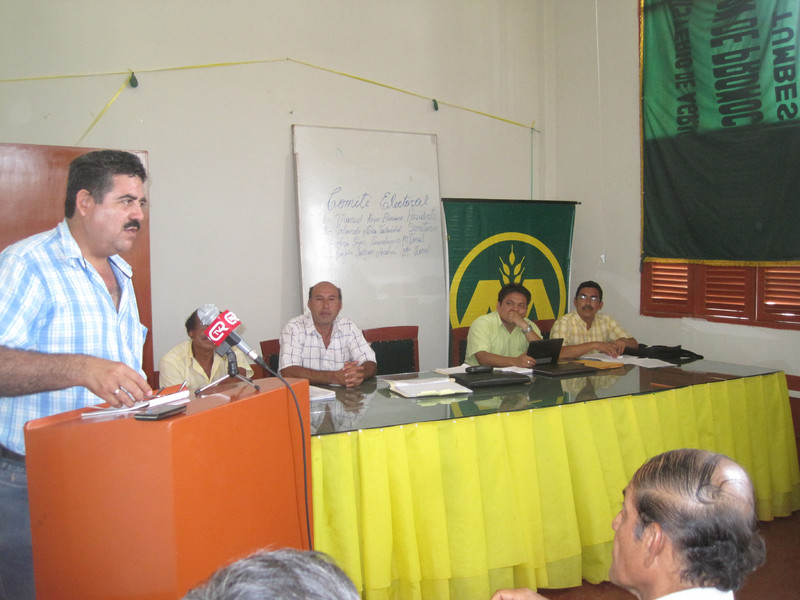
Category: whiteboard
[370,220]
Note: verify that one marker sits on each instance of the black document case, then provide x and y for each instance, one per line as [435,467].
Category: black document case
[478,380]
[546,354]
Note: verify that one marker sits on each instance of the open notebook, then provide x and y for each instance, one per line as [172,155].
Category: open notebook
[418,387]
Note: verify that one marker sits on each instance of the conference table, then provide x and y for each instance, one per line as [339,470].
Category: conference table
[456,496]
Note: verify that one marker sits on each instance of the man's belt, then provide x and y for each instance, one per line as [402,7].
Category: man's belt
[11,455]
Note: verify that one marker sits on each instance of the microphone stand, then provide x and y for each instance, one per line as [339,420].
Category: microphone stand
[233,373]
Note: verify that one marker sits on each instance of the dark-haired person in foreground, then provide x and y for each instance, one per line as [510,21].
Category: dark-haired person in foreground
[287,574]
[500,338]
[687,530]
[71,335]
[586,330]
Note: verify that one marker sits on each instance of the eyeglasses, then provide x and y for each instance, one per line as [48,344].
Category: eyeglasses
[593,299]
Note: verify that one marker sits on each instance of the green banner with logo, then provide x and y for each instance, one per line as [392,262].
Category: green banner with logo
[494,242]
[721,130]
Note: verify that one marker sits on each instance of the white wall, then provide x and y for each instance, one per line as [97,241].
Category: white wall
[223,217]
[223,210]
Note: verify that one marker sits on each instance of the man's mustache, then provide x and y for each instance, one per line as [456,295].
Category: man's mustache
[133,223]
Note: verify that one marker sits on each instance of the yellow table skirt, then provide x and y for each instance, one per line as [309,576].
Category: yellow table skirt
[458,508]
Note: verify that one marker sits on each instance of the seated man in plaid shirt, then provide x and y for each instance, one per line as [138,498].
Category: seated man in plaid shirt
[585,330]
[324,348]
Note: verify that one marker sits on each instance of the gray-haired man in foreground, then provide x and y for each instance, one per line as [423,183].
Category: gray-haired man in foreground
[687,530]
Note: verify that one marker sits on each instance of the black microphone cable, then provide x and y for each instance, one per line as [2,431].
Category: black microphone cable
[207,314]
[262,363]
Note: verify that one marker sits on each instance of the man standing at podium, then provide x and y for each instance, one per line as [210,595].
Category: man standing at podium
[71,334]
[324,348]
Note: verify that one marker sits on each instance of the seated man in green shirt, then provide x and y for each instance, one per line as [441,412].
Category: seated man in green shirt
[500,339]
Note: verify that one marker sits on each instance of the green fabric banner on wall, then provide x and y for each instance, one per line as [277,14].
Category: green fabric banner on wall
[721,130]
[493,242]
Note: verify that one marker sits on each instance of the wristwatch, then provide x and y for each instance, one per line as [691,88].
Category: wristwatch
[529,329]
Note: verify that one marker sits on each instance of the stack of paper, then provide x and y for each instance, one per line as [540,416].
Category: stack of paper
[181,397]
[452,370]
[428,386]
[318,393]
[625,359]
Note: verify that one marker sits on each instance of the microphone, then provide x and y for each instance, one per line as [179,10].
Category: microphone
[219,329]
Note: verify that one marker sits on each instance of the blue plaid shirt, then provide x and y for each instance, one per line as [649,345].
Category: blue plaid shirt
[52,300]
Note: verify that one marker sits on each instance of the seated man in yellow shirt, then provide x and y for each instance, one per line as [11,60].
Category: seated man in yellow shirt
[195,361]
[500,339]
[585,330]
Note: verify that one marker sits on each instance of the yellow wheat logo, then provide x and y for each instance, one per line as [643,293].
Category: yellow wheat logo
[511,272]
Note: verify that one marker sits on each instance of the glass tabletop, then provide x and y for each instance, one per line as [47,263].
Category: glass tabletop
[374,405]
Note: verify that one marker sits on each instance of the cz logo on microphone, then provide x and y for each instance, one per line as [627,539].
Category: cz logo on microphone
[222,326]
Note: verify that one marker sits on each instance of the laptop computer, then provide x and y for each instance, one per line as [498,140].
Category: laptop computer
[493,378]
[546,354]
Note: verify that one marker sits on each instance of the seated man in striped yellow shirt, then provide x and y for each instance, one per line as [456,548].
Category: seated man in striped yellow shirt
[585,330]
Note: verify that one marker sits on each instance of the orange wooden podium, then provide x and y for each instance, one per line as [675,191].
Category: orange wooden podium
[127,509]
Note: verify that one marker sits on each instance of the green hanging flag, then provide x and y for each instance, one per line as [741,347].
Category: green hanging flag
[721,130]
[494,242]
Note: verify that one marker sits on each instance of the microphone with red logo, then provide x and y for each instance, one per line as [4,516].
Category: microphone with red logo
[219,329]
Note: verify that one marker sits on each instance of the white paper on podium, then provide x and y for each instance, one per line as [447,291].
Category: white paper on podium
[181,397]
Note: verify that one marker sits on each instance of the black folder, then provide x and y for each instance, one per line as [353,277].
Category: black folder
[493,378]
[546,354]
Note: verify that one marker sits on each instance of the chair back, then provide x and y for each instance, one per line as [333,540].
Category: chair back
[396,348]
[458,345]
[270,351]
[545,325]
